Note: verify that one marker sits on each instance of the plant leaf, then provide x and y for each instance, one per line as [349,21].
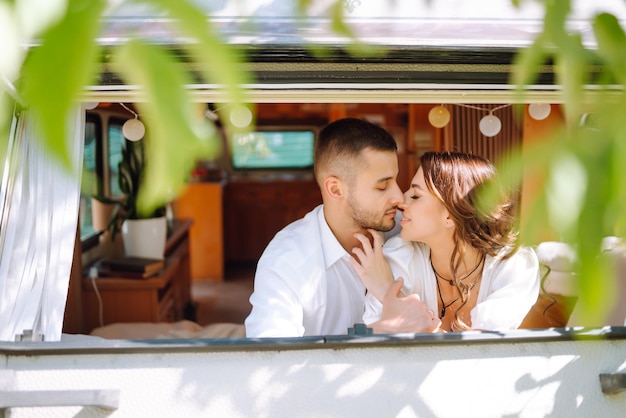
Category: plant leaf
[527,64]
[611,40]
[56,71]
[218,62]
[175,135]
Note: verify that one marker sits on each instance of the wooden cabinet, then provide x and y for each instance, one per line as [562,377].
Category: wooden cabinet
[254,211]
[202,202]
[162,298]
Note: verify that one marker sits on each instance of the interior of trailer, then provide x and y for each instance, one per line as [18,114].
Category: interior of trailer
[229,212]
[231,208]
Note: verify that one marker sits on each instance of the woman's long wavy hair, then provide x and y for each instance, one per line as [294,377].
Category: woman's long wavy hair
[457,180]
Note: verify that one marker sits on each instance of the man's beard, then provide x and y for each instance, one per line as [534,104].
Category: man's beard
[369,220]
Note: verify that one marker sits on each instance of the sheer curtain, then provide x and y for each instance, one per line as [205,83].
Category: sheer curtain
[38,215]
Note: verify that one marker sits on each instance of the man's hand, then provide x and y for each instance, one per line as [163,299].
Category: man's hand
[370,264]
[404,313]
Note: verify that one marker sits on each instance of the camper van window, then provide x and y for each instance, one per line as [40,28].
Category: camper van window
[116,145]
[92,170]
[103,152]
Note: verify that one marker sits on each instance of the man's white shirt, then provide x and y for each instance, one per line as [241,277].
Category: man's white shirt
[304,284]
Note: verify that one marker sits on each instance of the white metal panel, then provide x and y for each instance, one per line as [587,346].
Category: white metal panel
[419,379]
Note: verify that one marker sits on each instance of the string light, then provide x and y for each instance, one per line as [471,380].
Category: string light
[439,116]
[490,125]
[539,111]
[241,116]
[133,129]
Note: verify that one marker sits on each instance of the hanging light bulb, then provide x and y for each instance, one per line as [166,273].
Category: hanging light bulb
[539,111]
[241,116]
[133,129]
[90,105]
[439,116]
[490,125]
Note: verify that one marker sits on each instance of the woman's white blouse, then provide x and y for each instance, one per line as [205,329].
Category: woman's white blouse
[508,289]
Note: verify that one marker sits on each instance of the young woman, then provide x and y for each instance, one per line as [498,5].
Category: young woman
[463,262]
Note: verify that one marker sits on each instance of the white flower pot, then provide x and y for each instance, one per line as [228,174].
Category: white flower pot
[145,237]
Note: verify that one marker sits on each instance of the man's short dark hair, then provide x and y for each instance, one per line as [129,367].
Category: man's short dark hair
[343,140]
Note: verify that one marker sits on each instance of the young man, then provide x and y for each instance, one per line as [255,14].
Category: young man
[304,282]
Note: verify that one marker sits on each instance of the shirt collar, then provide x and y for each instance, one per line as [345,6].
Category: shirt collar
[332,250]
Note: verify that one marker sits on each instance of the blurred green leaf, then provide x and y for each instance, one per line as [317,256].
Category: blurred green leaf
[569,171]
[339,26]
[303,5]
[611,45]
[178,133]
[527,63]
[218,61]
[555,20]
[572,71]
[56,72]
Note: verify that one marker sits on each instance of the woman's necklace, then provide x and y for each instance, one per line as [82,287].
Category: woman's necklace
[444,307]
[451,282]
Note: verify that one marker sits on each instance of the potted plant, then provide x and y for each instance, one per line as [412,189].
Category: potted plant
[144,235]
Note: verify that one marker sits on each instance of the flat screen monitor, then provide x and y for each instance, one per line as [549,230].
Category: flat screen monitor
[273,148]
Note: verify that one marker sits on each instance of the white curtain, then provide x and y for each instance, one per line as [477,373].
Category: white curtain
[38,215]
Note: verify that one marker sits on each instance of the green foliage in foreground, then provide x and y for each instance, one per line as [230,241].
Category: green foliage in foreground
[51,80]
[583,166]
[583,196]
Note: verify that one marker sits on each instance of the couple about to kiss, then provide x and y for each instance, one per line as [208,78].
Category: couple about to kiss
[452,267]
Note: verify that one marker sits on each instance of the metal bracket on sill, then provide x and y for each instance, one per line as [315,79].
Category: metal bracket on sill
[29,335]
[612,383]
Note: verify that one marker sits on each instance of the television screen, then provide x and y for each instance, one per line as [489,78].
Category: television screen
[273,149]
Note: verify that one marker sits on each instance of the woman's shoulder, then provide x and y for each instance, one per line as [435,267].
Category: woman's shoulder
[521,257]
[525,253]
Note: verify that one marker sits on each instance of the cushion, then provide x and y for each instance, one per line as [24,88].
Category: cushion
[559,256]
[550,311]
[168,330]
